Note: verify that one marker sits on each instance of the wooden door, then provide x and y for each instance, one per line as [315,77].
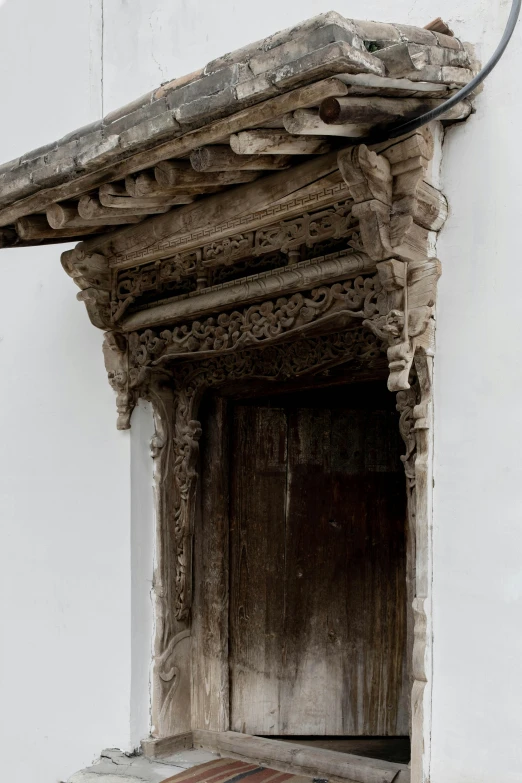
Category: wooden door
[317,565]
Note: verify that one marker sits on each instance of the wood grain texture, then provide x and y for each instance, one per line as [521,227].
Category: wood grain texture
[299,759]
[318,567]
[216,131]
[210,697]
[257,567]
[166,746]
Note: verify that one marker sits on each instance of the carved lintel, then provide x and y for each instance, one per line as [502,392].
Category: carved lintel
[261,324]
[115,354]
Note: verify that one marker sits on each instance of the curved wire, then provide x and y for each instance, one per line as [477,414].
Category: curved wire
[429,116]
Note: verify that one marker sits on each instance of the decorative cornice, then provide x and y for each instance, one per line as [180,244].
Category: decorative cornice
[198,265]
[214,232]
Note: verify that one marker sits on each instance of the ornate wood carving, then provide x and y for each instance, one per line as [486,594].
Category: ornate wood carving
[91,274]
[311,197]
[261,323]
[397,209]
[333,222]
[279,324]
[115,354]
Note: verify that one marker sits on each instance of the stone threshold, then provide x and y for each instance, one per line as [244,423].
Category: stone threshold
[115,766]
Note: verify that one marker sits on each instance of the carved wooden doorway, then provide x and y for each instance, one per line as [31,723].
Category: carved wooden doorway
[300,543]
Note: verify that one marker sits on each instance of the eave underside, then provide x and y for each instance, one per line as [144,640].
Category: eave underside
[240,119]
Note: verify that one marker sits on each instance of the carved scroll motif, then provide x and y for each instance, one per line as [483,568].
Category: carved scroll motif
[175,451]
[397,208]
[358,298]
[308,201]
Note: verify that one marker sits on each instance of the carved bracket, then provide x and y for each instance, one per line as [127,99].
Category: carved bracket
[116,356]
[91,273]
[397,209]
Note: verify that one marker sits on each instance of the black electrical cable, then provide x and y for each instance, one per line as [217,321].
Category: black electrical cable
[429,116]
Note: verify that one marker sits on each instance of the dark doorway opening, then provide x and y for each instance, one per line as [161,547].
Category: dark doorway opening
[395,749]
[317,617]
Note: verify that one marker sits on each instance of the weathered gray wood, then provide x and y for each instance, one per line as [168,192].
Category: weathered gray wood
[431,207]
[222,158]
[370,84]
[257,563]
[253,116]
[166,746]
[89,207]
[223,207]
[299,759]
[36,227]
[309,123]
[210,678]
[381,110]
[66,215]
[318,630]
[114,196]
[145,186]
[260,142]
[169,174]
[285,281]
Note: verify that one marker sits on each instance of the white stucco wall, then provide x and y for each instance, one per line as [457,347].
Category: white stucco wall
[74,665]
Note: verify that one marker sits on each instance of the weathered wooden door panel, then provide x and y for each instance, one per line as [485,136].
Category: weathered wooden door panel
[317,625]
[257,563]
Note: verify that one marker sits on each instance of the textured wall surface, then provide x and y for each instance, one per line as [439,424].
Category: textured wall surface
[71,681]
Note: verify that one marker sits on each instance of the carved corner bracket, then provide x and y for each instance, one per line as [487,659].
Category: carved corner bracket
[398,211]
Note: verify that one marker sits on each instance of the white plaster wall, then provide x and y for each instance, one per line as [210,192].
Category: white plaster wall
[477,696]
[71,682]
[74,671]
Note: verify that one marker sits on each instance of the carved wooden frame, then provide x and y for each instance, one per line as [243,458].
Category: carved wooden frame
[383,296]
